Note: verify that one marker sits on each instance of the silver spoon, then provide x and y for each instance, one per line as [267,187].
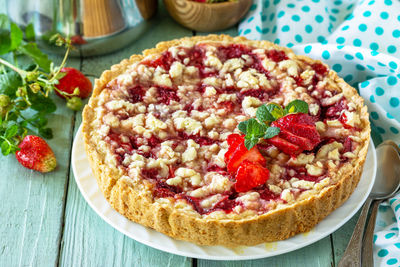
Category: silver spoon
[388,157]
[385,185]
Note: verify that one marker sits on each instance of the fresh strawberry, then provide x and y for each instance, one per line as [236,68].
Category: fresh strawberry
[298,133]
[285,146]
[250,175]
[237,153]
[74,79]
[36,154]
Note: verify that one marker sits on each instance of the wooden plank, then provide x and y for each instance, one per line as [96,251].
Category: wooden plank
[87,239]
[33,203]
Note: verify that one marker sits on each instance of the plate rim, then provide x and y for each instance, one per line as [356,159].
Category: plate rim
[79,137]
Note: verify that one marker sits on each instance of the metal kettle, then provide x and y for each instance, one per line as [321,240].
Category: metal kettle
[94,26]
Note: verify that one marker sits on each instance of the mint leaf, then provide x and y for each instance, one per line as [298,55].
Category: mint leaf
[30,32]
[31,50]
[243,126]
[16,36]
[250,143]
[263,114]
[297,106]
[275,110]
[271,132]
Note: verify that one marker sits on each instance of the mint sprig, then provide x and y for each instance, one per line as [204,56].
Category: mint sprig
[255,129]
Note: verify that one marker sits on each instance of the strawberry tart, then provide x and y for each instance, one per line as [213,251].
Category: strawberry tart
[225,141]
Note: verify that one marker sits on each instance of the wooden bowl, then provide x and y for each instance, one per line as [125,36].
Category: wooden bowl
[207,17]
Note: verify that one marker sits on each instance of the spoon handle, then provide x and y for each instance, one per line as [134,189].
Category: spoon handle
[352,255]
[367,255]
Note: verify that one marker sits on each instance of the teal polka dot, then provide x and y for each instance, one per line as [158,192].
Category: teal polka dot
[253,7]
[362,27]
[319,18]
[394,102]
[383,65]
[388,2]
[291,5]
[395,229]
[392,261]
[308,29]
[335,11]
[307,49]
[286,28]
[348,78]
[374,46]
[280,14]
[364,84]
[389,116]
[391,80]
[378,30]
[340,47]
[271,17]
[359,56]
[397,244]
[374,115]
[374,53]
[384,15]
[348,57]
[396,33]
[298,38]
[367,14]
[345,28]
[383,252]
[290,45]
[379,91]
[321,39]
[372,99]
[349,17]
[247,31]
[338,2]
[337,67]
[277,41]
[381,130]
[274,29]
[371,2]
[266,4]
[393,65]
[375,237]
[305,8]
[250,19]
[340,40]
[349,7]
[332,18]
[391,49]
[357,42]
[315,1]
[263,18]
[370,68]
[326,54]
[360,67]
[395,131]
[398,206]
[392,201]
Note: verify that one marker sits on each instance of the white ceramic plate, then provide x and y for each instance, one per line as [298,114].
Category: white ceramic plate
[88,186]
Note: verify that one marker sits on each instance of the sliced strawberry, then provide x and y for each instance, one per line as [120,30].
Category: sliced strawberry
[250,175]
[296,118]
[237,153]
[241,153]
[285,146]
[302,142]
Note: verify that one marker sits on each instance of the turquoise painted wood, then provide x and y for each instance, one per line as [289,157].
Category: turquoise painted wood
[44,220]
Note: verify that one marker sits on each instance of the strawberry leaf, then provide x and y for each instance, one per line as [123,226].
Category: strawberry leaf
[11,131]
[30,32]
[5,148]
[31,50]
[271,132]
[16,36]
[297,106]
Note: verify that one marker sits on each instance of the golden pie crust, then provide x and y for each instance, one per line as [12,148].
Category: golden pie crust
[135,200]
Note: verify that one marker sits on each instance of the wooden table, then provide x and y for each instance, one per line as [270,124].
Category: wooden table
[44,220]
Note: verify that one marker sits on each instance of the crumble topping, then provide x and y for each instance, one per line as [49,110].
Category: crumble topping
[165,122]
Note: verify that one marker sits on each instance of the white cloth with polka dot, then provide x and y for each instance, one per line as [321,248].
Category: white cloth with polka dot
[360,40]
